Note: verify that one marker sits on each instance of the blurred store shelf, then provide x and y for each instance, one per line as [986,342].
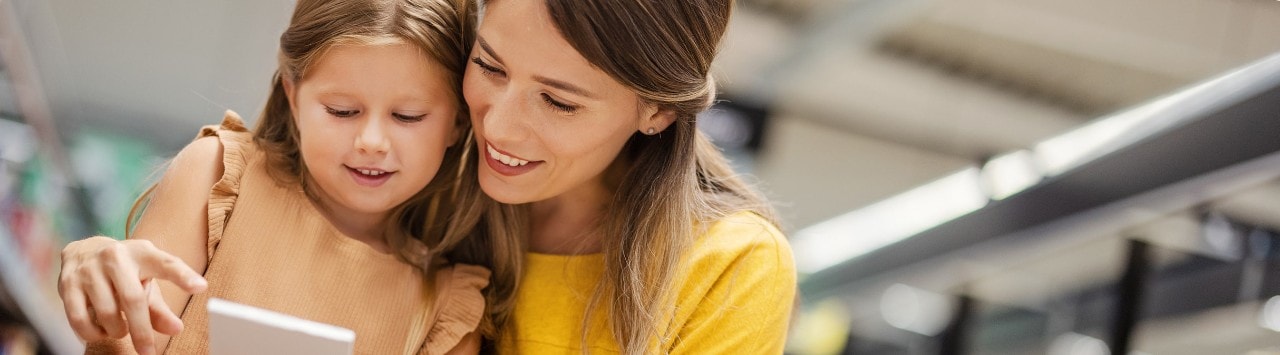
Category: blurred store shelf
[1160,232]
[32,297]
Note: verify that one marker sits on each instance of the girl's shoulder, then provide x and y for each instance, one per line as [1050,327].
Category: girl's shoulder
[215,153]
[229,148]
[218,150]
[232,135]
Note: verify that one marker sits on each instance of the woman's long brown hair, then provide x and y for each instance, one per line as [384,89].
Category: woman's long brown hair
[674,181]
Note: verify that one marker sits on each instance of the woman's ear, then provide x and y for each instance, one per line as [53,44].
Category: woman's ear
[657,120]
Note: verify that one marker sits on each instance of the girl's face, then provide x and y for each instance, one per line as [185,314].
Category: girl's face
[374,122]
[547,122]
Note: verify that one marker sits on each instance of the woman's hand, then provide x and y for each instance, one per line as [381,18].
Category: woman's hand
[106,288]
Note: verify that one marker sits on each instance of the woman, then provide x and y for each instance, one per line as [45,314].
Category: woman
[640,238]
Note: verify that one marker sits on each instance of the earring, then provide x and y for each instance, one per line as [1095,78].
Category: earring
[651,131]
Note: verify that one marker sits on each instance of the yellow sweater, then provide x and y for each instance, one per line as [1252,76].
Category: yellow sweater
[734,296]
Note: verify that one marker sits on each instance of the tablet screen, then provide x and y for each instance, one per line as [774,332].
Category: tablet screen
[245,330]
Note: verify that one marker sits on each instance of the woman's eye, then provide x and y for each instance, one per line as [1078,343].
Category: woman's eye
[340,113]
[557,105]
[487,69]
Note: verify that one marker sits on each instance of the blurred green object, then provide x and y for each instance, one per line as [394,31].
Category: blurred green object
[113,170]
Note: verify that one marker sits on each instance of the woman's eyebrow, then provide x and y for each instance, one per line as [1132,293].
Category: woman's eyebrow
[487,49]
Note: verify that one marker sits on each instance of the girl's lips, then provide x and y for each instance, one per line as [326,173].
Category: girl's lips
[370,177]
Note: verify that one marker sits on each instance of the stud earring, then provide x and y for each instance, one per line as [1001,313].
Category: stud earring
[651,131]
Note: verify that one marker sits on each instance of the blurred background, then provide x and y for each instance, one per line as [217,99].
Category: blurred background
[956,176]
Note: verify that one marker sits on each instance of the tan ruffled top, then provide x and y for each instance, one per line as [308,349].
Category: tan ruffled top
[270,247]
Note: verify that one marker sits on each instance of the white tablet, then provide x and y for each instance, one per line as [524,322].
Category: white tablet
[245,330]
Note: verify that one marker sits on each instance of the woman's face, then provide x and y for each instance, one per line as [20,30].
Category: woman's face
[547,122]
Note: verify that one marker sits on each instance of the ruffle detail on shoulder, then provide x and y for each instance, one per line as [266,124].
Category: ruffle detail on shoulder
[461,306]
[237,144]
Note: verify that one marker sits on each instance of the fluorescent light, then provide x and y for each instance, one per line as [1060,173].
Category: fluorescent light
[886,222]
[1078,344]
[1270,316]
[1075,147]
[1109,133]
[915,310]
[1009,174]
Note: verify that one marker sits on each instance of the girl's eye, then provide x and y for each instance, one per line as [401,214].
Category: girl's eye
[408,118]
[487,69]
[340,113]
[557,105]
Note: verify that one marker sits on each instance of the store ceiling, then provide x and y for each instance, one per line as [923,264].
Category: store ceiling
[868,97]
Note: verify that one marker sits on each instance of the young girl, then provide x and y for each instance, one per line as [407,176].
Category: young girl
[338,207]
[641,239]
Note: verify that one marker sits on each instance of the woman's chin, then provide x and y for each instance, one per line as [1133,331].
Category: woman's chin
[501,191]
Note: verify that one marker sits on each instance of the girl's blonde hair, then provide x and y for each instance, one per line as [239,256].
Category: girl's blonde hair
[435,224]
[437,27]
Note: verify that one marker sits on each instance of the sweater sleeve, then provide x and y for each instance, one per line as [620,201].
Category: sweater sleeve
[740,291]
